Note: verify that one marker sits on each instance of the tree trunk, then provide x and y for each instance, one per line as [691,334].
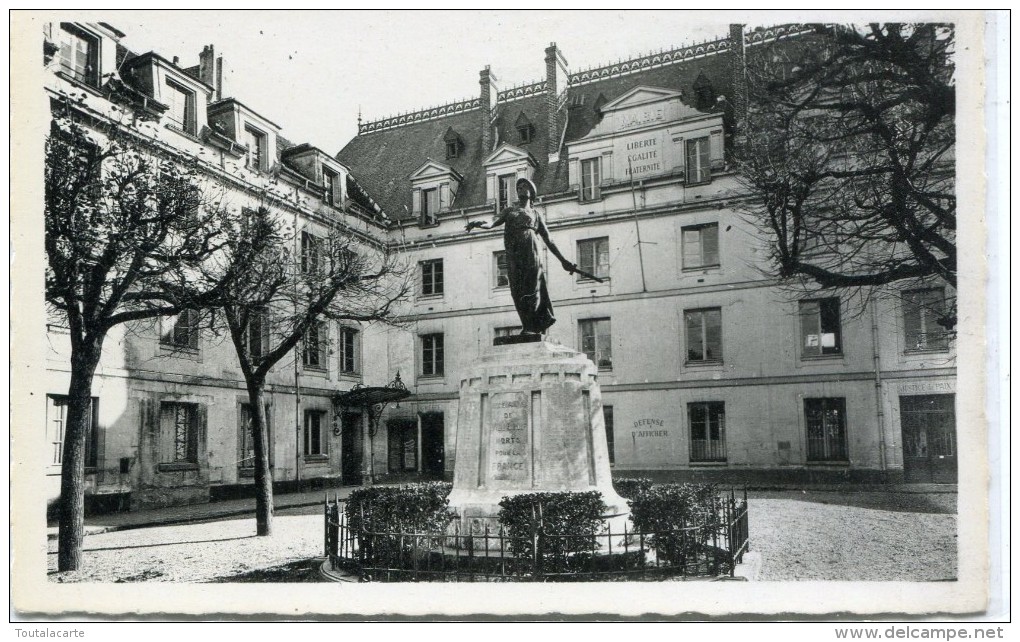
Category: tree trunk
[263,476]
[71,525]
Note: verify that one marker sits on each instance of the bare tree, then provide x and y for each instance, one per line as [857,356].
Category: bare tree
[129,236]
[848,152]
[285,297]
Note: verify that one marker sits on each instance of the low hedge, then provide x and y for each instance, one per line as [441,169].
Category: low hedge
[629,487]
[669,512]
[567,521]
[380,515]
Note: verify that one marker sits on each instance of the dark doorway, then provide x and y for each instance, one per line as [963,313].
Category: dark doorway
[433,451]
[929,438]
[402,445]
[351,449]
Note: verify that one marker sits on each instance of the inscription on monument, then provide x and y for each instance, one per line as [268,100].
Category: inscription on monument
[510,450]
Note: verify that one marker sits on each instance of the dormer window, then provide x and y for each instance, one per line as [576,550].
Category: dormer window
[506,190]
[256,141]
[330,180]
[525,130]
[434,188]
[704,93]
[429,206]
[79,54]
[526,133]
[181,110]
[454,143]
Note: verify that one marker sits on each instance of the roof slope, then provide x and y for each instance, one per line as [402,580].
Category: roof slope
[382,160]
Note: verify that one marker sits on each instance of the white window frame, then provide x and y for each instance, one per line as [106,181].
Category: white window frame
[699,261]
[433,286]
[599,247]
[431,364]
[596,329]
[591,179]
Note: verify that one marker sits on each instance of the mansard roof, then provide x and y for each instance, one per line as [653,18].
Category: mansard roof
[384,156]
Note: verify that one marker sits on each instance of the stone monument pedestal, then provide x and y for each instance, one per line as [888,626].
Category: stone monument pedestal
[530,421]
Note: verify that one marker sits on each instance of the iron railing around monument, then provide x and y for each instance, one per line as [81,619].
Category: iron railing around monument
[707,550]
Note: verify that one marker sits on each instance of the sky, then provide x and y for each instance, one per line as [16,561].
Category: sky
[312,72]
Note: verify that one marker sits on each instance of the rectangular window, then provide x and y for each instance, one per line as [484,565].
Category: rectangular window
[329,183]
[256,142]
[707,422]
[699,167]
[314,356]
[311,253]
[597,342]
[178,433]
[819,326]
[700,246]
[316,436]
[431,277]
[181,103]
[826,429]
[432,355]
[593,256]
[348,349]
[56,425]
[921,311]
[507,331]
[704,335]
[500,269]
[79,55]
[607,415]
[526,133]
[246,454]
[256,337]
[452,149]
[429,206]
[507,191]
[591,178]
[183,332]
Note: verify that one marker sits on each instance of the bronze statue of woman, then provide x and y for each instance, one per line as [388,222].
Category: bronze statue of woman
[522,228]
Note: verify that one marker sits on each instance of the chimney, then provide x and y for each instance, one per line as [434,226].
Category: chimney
[490,93]
[556,87]
[211,71]
[738,74]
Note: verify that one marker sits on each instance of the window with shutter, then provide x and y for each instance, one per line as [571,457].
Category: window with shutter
[178,434]
[184,331]
[56,425]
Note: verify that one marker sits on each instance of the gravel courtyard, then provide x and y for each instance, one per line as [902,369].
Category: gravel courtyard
[800,535]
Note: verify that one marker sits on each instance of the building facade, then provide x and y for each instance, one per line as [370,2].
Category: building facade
[709,370]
